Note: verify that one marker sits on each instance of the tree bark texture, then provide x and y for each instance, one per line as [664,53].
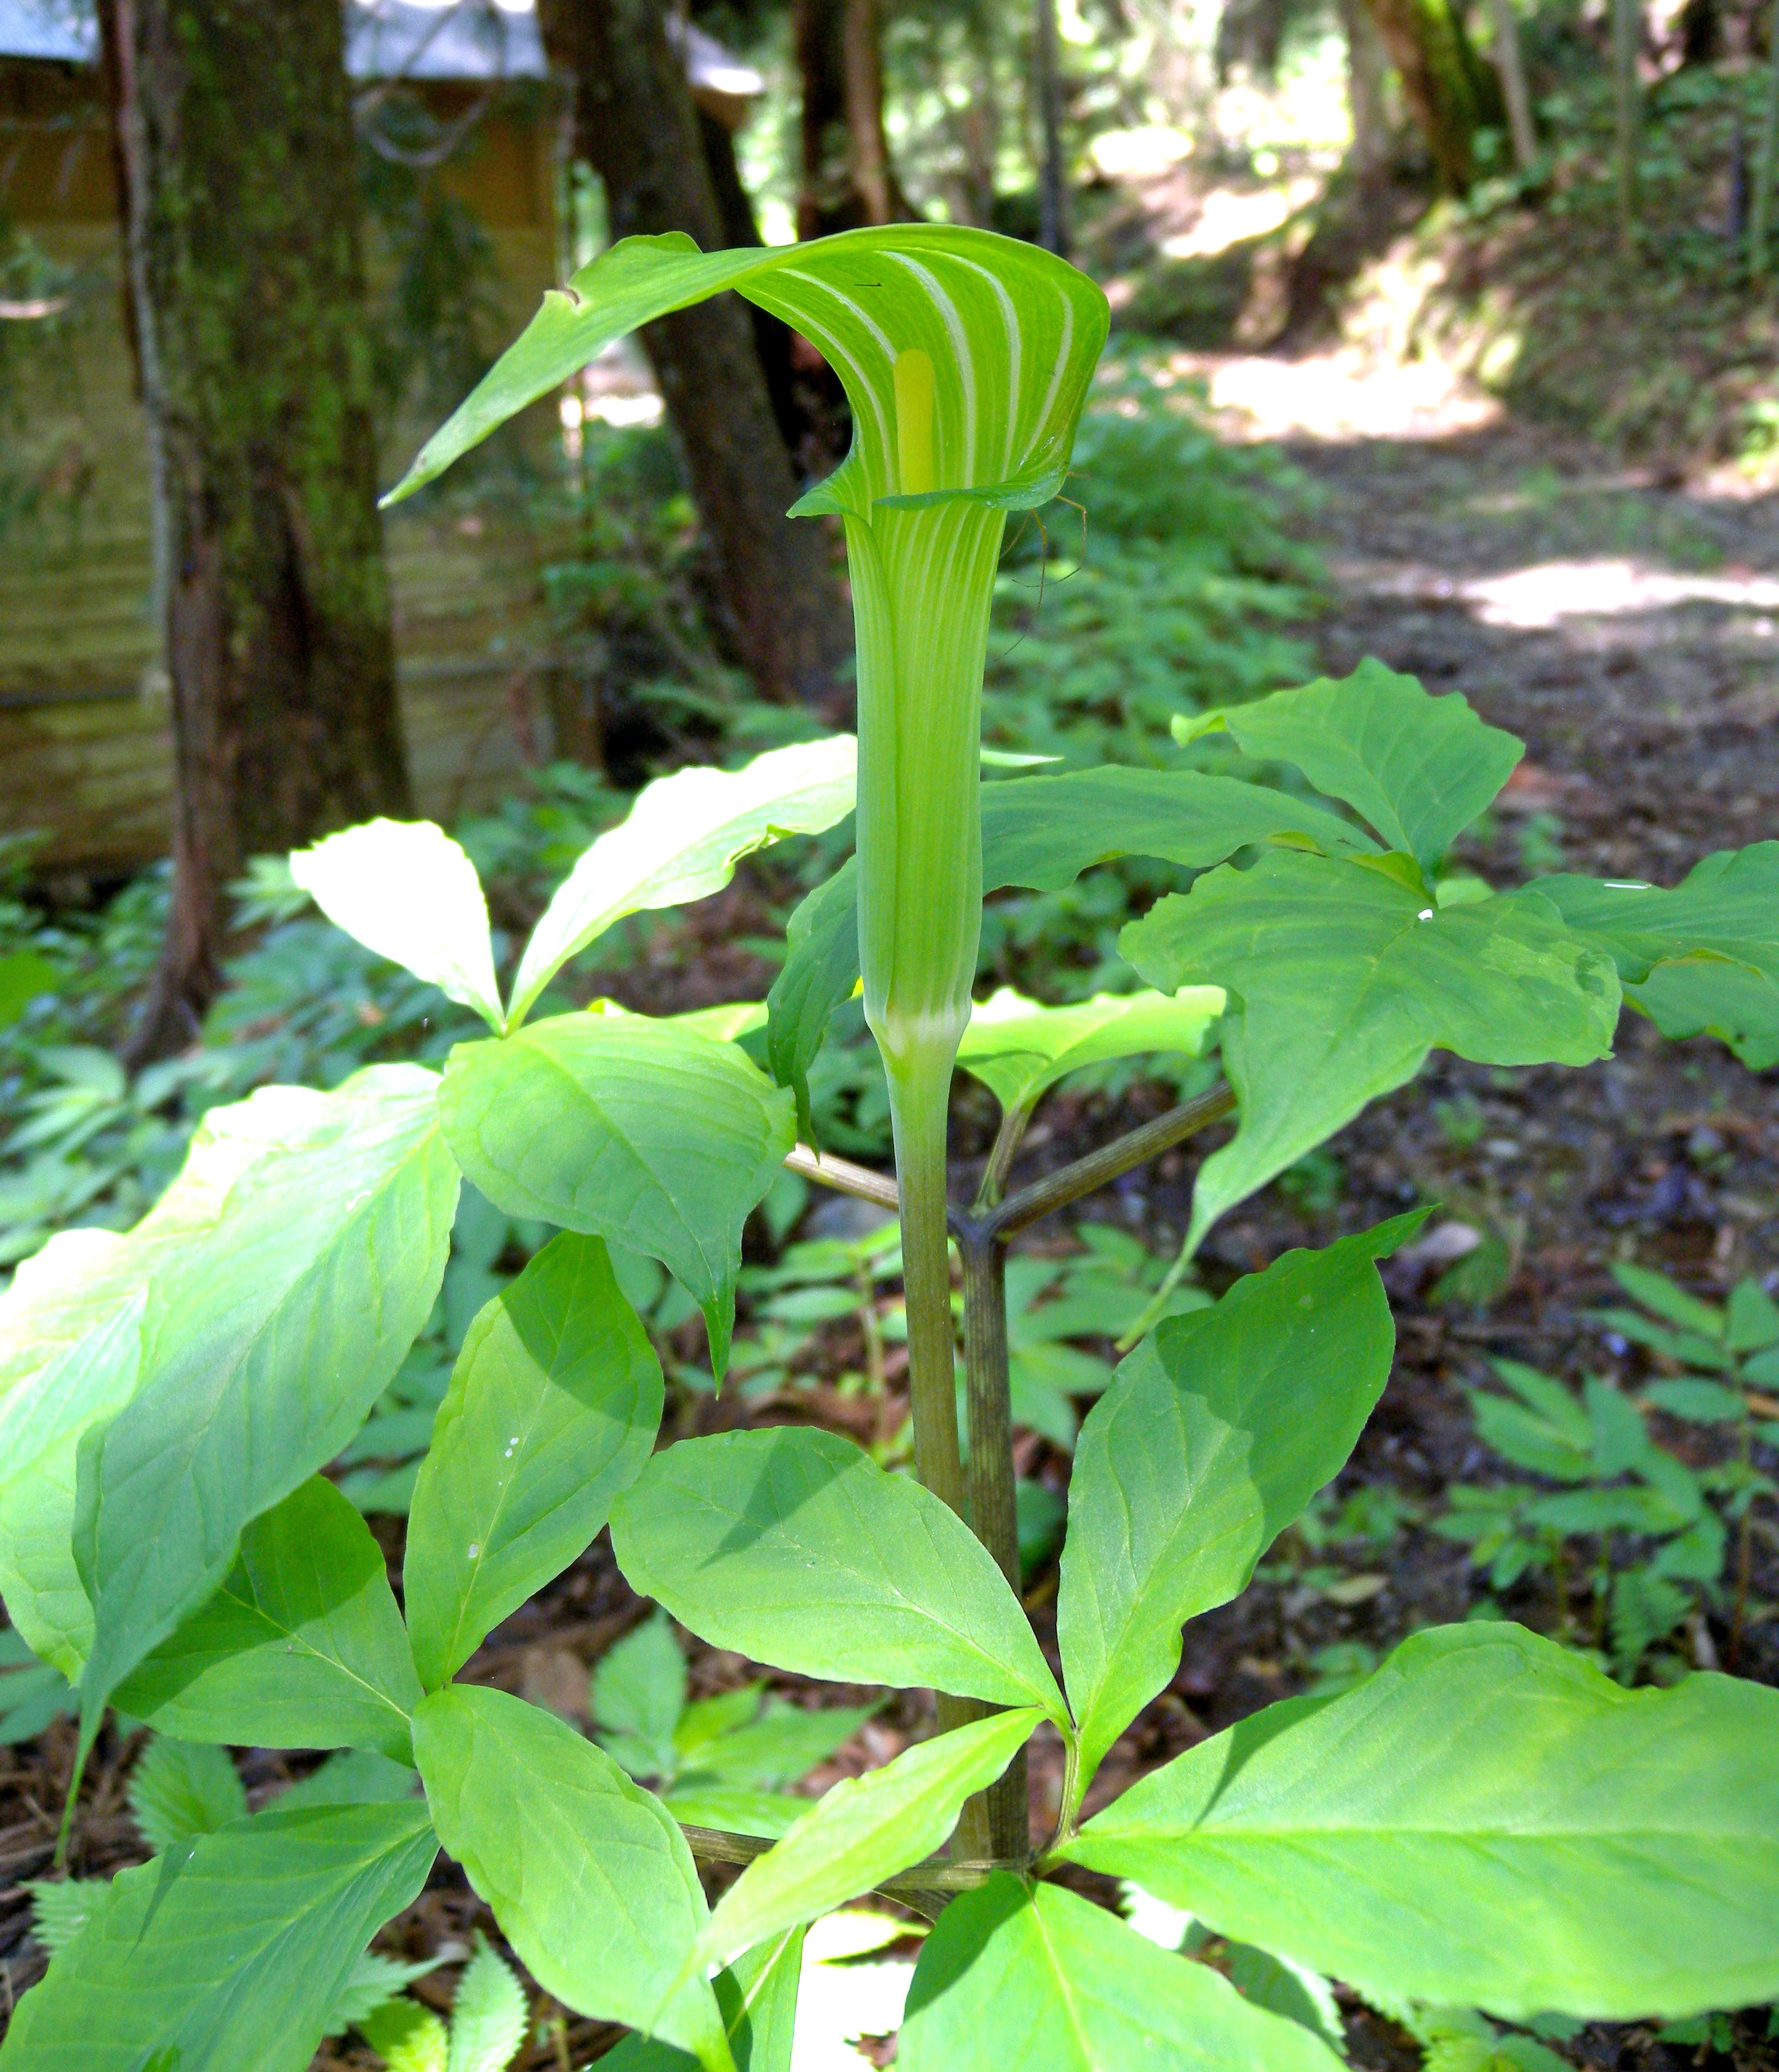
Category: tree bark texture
[1053,200]
[848,179]
[1365,91]
[234,138]
[1450,91]
[635,124]
[1511,66]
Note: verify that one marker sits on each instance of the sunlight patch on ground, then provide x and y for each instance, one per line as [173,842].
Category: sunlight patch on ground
[1341,395]
[1228,218]
[1547,594]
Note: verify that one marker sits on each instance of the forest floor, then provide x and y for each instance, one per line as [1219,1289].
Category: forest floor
[1629,633]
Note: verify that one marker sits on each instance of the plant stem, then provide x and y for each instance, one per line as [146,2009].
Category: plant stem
[844,1177]
[919,1100]
[1001,1158]
[993,1511]
[1099,1168]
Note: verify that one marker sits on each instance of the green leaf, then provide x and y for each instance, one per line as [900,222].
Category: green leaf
[230,1952]
[179,1790]
[1753,1322]
[1527,1836]
[24,977]
[785,1743]
[1419,768]
[408,2036]
[865,1830]
[1341,980]
[407,891]
[589,1878]
[757,1995]
[373,1981]
[488,2015]
[1702,1402]
[1017,1048]
[1011,332]
[654,1136]
[1041,1978]
[356,1777]
[302,1647]
[265,1338]
[1546,1430]
[638,1691]
[820,972]
[61,1908]
[1700,959]
[1216,1432]
[795,1548]
[1042,833]
[1656,1292]
[735,1809]
[553,1408]
[681,840]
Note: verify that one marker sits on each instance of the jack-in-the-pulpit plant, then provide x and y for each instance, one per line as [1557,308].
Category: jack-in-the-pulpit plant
[1486,1823]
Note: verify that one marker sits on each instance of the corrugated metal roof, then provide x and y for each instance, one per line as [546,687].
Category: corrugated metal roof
[392,40]
[384,38]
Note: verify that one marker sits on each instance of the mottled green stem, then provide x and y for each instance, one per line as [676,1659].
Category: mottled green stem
[993,1511]
[918,1101]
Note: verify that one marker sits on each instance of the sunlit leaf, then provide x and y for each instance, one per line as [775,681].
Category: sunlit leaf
[406,891]
[681,841]
[1527,1836]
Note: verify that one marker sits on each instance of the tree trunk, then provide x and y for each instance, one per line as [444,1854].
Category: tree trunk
[1627,114]
[1450,93]
[848,180]
[636,123]
[1365,94]
[1510,68]
[873,180]
[1052,196]
[240,211]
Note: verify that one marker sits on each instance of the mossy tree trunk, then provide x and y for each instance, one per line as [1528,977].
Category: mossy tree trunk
[636,125]
[1449,91]
[235,151]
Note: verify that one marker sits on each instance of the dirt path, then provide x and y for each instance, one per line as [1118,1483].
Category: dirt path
[1629,632]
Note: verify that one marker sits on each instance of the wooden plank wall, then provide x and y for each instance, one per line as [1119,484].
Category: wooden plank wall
[85,746]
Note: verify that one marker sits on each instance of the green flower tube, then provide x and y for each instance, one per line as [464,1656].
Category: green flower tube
[966,359]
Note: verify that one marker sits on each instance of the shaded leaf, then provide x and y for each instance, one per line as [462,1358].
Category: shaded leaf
[652,1136]
[1341,980]
[795,1548]
[1213,1435]
[587,1874]
[180,1790]
[1700,959]
[553,1408]
[231,1952]
[1017,1048]
[302,1647]
[1419,768]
